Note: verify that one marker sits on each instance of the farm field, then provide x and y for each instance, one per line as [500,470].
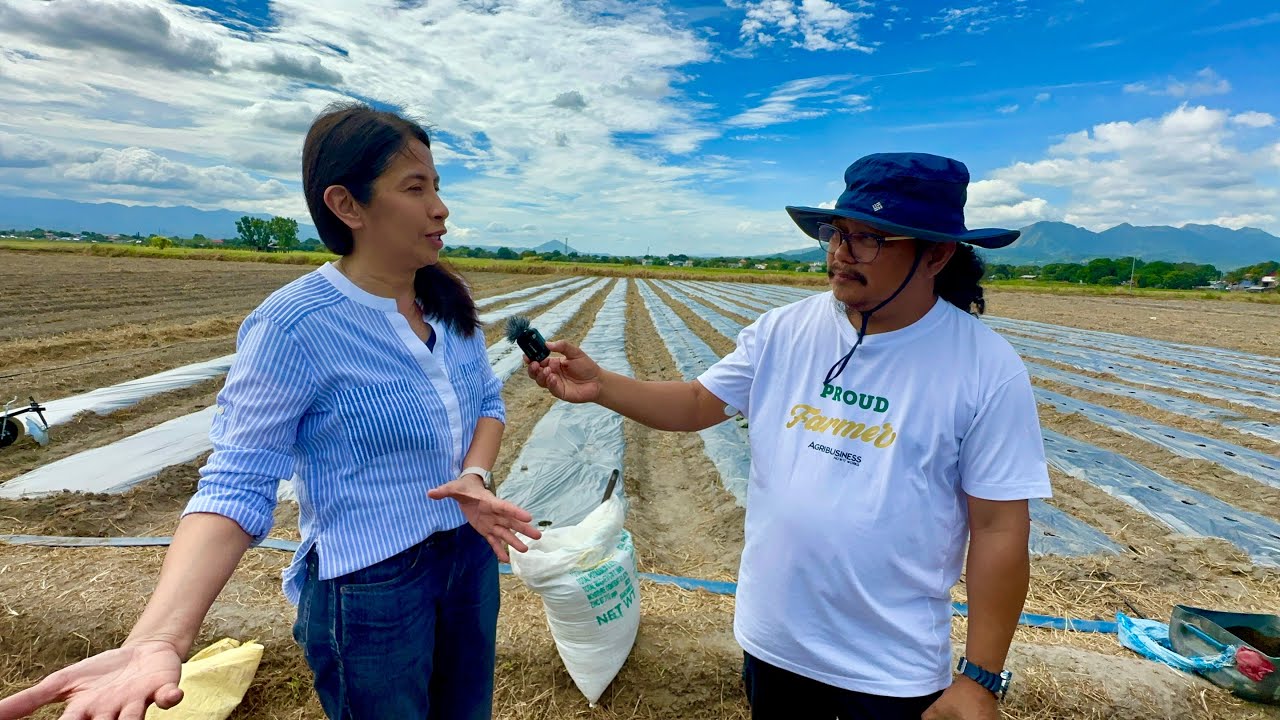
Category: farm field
[1162,423]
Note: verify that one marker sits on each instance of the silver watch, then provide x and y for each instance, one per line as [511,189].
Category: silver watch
[485,475]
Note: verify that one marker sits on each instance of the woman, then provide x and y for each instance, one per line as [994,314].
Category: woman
[368,382]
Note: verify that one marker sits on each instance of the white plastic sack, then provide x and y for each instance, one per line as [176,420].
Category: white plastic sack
[586,576]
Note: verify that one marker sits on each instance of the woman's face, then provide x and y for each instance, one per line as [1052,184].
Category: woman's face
[404,220]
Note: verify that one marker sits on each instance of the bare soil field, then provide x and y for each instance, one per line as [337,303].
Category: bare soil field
[60,605]
[1248,327]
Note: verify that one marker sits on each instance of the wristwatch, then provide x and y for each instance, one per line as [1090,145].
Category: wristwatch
[485,475]
[998,684]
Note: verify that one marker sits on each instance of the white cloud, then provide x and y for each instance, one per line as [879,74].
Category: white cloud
[1187,163]
[1204,83]
[1253,119]
[1043,97]
[802,99]
[975,19]
[212,116]
[143,168]
[1000,203]
[808,24]
[1236,222]
[1007,109]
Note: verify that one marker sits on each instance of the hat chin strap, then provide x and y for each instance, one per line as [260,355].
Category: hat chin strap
[843,362]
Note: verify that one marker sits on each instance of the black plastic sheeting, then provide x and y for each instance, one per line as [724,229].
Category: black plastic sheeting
[1170,403]
[1138,373]
[1240,460]
[1181,508]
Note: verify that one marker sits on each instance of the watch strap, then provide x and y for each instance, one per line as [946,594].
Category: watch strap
[486,475]
[996,683]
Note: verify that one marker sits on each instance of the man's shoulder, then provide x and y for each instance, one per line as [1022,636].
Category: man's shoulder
[802,308]
[987,349]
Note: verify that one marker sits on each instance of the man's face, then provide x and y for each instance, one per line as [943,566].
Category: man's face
[863,285]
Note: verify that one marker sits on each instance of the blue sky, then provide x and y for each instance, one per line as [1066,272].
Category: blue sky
[669,126]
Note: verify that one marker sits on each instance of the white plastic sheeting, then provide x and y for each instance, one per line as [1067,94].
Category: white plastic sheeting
[122,464]
[562,471]
[726,442]
[722,324]
[764,294]
[126,394]
[537,301]
[1243,461]
[1182,509]
[1262,367]
[746,307]
[1176,375]
[117,467]
[506,357]
[1171,403]
[525,292]
[1054,532]
[1151,376]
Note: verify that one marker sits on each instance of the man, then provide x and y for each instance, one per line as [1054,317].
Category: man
[888,425]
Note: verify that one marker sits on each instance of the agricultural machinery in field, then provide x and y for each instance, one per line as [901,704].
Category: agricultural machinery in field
[13,426]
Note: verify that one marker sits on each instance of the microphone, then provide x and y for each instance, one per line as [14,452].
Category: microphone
[520,332]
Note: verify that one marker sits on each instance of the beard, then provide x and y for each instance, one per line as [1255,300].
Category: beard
[856,277]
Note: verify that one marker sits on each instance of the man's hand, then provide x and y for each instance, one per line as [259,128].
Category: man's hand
[573,378]
[964,700]
[497,520]
[118,683]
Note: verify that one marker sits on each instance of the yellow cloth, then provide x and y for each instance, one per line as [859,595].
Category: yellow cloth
[213,682]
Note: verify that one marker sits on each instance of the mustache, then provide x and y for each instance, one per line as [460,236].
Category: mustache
[850,272]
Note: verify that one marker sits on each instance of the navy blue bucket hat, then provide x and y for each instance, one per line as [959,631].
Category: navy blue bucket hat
[913,194]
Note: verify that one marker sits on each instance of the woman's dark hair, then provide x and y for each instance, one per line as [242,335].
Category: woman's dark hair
[960,282]
[351,144]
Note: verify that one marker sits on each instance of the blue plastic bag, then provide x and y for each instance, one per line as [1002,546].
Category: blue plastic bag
[1150,639]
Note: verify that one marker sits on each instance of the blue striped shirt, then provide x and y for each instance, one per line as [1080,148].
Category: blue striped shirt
[330,386]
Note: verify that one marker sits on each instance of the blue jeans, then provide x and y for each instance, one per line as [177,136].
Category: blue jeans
[409,637]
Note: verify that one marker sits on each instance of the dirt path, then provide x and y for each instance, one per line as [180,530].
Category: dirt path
[719,343]
[1133,406]
[683,520]
[1207,477]
[526,402]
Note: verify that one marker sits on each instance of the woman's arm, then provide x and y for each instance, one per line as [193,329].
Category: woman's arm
[484,444]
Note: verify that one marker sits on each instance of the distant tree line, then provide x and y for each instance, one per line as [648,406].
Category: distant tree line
[1118,271]
[1254,272]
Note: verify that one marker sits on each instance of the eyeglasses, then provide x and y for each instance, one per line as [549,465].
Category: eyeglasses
[863,246]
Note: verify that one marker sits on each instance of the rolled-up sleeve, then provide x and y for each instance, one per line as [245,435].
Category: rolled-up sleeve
[255,426]
[492,406]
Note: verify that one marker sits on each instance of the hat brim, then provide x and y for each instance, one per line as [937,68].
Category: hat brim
[808,219]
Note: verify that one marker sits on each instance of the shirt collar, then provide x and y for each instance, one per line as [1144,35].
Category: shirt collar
[354,292]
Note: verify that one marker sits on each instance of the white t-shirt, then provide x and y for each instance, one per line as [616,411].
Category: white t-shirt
[857,519]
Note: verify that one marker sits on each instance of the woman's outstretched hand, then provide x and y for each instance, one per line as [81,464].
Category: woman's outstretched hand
[496,519]
[113,685]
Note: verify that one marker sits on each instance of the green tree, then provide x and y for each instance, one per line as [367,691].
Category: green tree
[283,232]
[253,232]
[159,241]
[506,253]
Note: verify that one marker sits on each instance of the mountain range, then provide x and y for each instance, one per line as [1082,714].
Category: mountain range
[1040,243]
[25,213]
[1047,242]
